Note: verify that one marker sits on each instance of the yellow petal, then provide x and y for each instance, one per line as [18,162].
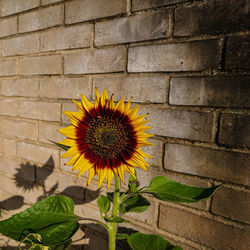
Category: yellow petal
[80,162]
[73,159]
[133,112]
[131,170]
[97,98]
[91,174]
[68,142]
[104,98]
[69,131]
[71,151]
[101,175]
[109,176]
[127,105]
[75,117]
[120,105]
[120,171]
[86,103]
[79,106]
[143,154]
[84,168]
[111,104]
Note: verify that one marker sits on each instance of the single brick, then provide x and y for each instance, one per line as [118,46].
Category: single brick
[20,45]
[40,19]
[47,111]
[66,38]
[8,107]
[37,153]
[41,65]
[231,203]
[211,17]
[67,107]
[234,130]
[238,53]
[18,128]
[8,146]
[48,132]
[8,7]
[46,2]
[8,26]
[191,56]
[218,91]
[68,88]
[212,163]
[147,26]
[95,61]
[9,166]
[7,67]
[142,88]
[146,4]
[203,230]
[83,10]
[19,87]
[179,123]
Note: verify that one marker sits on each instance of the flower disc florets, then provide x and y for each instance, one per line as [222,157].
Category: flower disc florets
[106,139]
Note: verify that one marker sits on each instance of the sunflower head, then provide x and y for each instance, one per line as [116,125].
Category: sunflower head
[105,138]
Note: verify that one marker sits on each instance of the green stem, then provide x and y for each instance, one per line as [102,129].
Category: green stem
[116,204]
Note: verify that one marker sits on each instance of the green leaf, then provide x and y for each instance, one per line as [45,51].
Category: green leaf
[136,203]
[60,145]
[122,236]
[115,219]
[63,246]
[53,218]
[140,241]
[133,184]
[166,189]
[103,203]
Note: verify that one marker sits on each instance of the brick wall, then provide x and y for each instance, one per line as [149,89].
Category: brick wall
[187,64]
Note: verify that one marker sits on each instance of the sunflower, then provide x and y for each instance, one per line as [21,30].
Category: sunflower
[105,138]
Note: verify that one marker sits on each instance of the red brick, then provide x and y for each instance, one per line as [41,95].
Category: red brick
[146,4]
[8,7]
[20,45]
[179,123]
[41,65]
[211,17]
[95,61]
[231,203]
[8,67]
[203,230]
[218,91]
[19,87]
[8,26]
[192,56]
[211,163]
[142,88]
[147,26]
[19,128]
[83,10]
[66,38]
[234,130]
[40,19]
[40,110]
[238,53]
[68,88]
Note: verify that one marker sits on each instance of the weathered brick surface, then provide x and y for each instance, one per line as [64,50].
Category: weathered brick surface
[40,110]
[8,7]
[143,89]
[19,128]
[46,2]
[7,67]
[19,87]
[8,107]
[68,88]
[8,146]
[66,38]
[238,53]
[67,107]
[232,204]
[210,17]
[192,56]
[201,229]
[20,45]
[48,132]
[130,29]
[8,26]
[39,65]
[40,19]
[220,91]
[83,10]
[9,166]
[234,130]
[37,153]
[179,123]
[218,164]
[95,61]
